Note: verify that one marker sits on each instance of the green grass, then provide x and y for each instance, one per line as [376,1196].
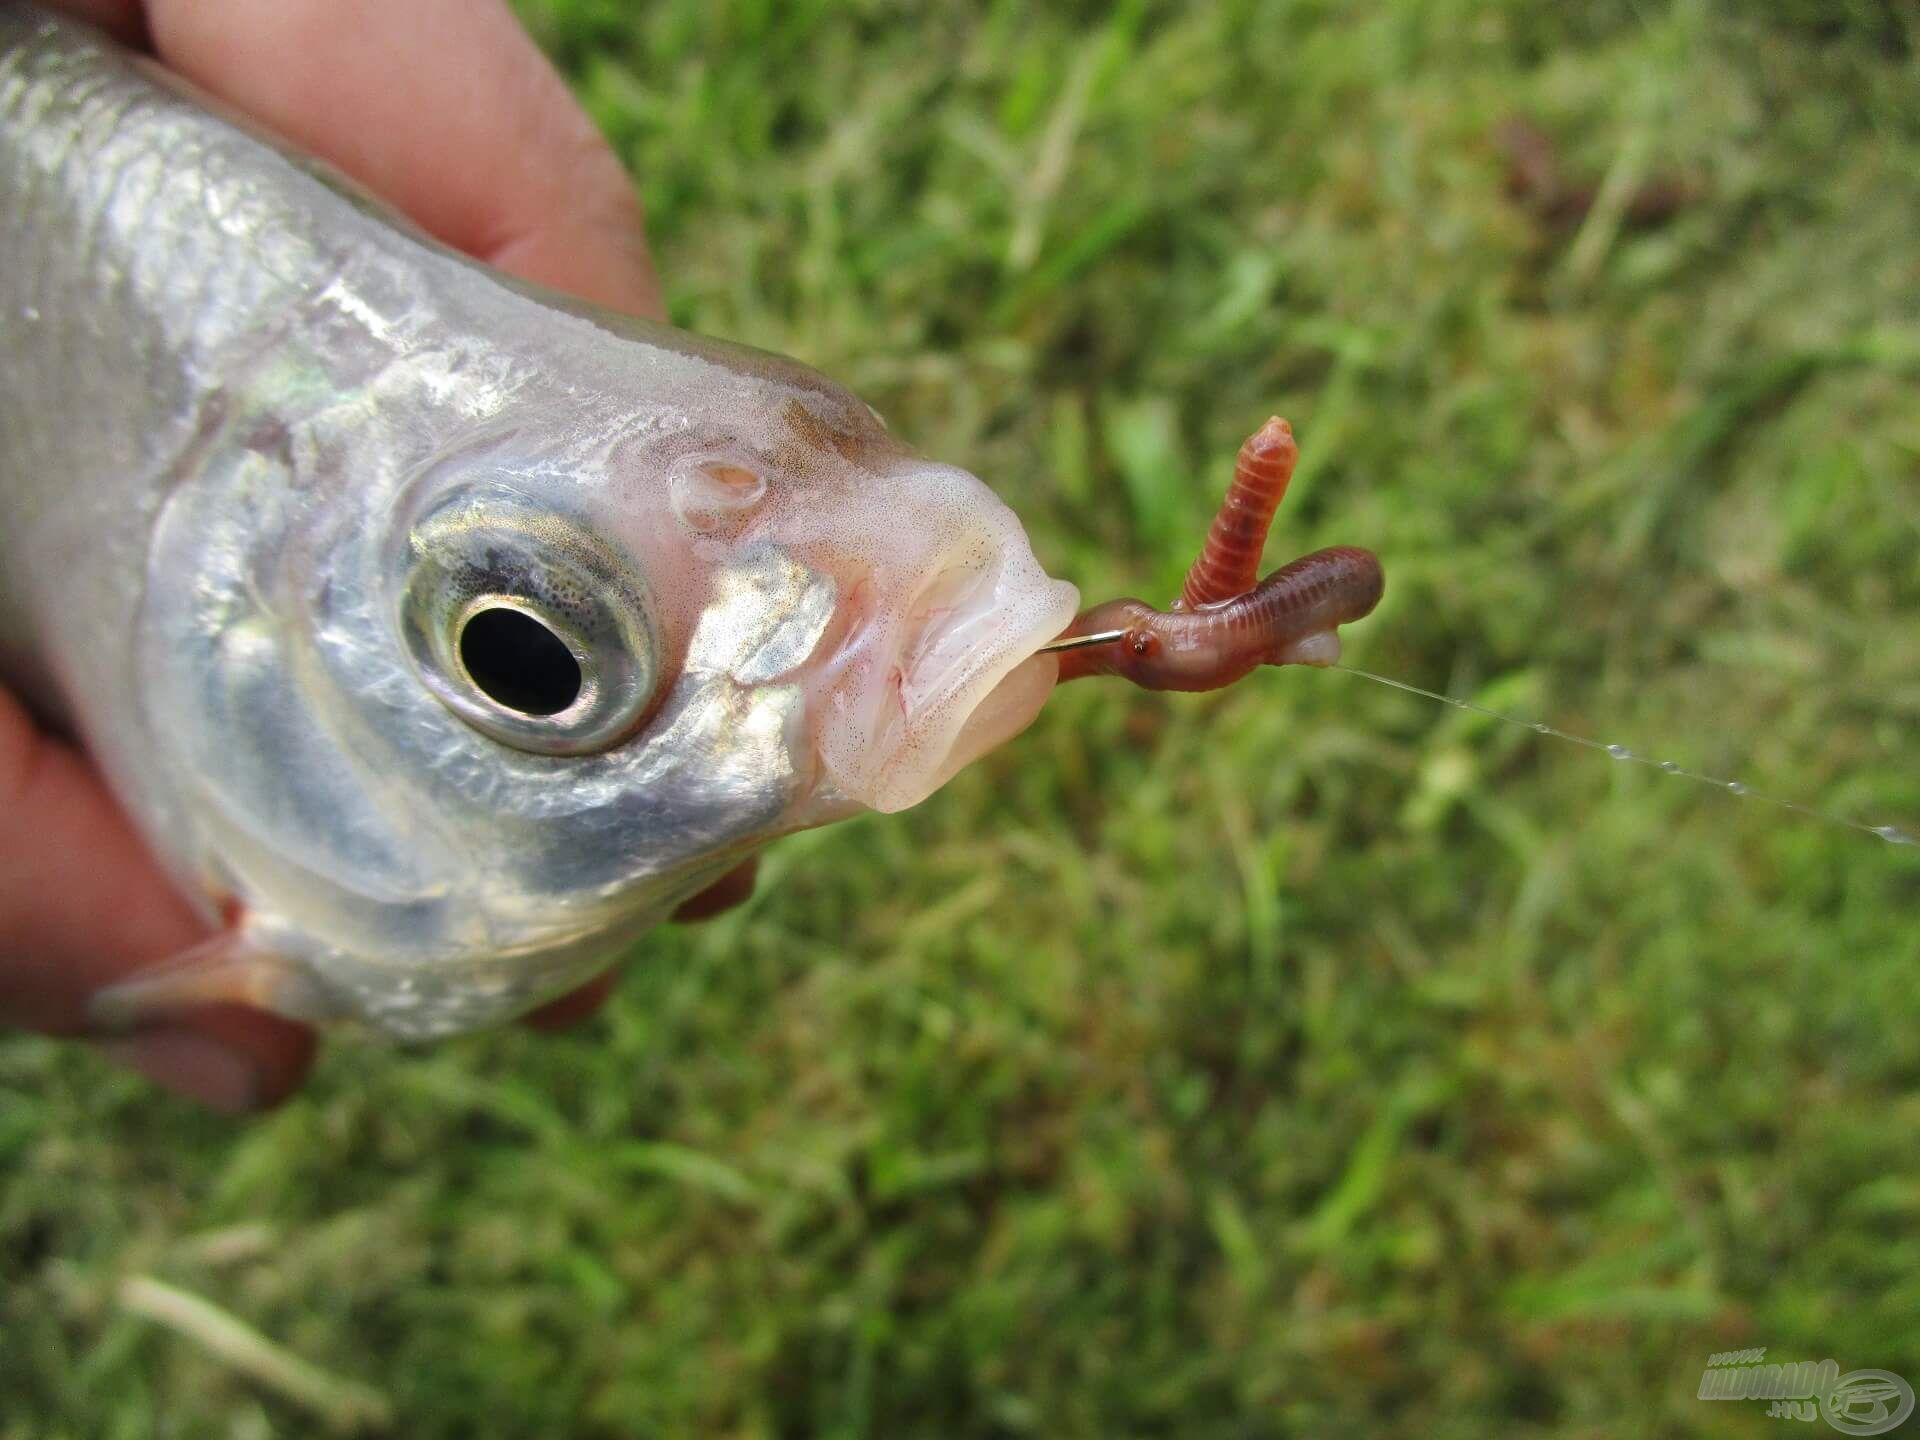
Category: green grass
[1306,1059]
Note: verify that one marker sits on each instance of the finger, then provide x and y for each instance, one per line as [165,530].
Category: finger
[731,889]
[231,1057]
[122,19]
[444,108]
[575,1006]
[82,905]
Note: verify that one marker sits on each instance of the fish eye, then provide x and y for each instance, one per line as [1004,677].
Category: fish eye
[526,625]
[516,660]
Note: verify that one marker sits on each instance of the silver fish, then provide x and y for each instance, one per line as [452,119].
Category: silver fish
[445,632]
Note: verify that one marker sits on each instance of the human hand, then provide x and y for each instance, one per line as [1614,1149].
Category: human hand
[445,109]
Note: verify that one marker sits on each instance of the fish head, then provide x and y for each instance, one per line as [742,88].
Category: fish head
[730,608]
[480,672]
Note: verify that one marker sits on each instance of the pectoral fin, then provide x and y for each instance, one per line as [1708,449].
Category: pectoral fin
[229,969]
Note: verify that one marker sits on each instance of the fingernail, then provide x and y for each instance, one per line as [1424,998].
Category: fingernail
[191,1064]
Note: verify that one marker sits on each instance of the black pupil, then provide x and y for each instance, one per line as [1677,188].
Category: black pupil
[519,662]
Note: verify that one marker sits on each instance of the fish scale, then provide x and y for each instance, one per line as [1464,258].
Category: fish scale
[115,287]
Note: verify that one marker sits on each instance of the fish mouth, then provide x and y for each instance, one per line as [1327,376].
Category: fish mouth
[953,676]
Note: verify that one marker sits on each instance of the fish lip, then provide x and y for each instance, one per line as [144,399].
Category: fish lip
[959,665]
[942,599]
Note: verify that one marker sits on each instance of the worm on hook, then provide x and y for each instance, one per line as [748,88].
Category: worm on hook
[1224,624]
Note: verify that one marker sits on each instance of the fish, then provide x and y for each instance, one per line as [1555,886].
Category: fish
[440,634]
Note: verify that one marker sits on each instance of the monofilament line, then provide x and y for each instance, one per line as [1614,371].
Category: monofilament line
[1892,834]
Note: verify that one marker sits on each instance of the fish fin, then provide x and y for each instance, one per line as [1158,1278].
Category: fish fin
[229,969]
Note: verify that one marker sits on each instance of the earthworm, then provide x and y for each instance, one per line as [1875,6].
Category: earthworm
[1224,624]
[1229,562]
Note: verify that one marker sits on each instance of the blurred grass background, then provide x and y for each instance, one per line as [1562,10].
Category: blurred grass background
[1305,1059]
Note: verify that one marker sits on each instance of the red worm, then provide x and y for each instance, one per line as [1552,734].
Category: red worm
[1288,618]
[1224,624]
[1229,562]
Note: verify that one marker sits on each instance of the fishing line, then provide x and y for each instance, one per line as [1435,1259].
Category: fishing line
[1892,834]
